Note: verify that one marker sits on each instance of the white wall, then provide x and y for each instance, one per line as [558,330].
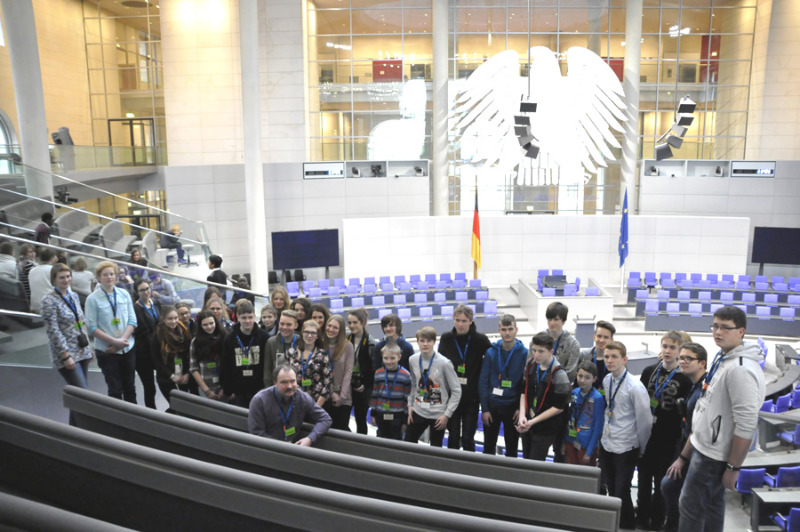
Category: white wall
[215,194]
[767,202]
[516,247]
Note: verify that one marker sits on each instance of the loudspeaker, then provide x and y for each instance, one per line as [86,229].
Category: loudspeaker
[663,151]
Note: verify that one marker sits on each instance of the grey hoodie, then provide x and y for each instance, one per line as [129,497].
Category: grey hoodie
[729,407]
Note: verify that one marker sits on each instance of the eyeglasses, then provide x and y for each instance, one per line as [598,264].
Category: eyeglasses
[716,327]
[687,359]
[309,333]
[142,290]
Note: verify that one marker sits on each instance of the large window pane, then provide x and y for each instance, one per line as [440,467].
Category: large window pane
[377,47]
[377,21]
[544,20]
[480,20]
[331,22]
[417,21]
[330,48]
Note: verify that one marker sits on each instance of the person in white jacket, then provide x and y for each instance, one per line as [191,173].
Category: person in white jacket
[724,423]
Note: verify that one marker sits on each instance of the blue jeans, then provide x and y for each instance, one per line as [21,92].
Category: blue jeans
[702,500]
[76,377]
[671,492]
[119,371]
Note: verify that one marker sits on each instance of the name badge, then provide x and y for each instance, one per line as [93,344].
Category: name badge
[505,384]
[305,382]
[531,413]
[653,403]
[178,366]
[214,380]
[577,445]
[462,381]
[462,369]
[655,418]
[498,391]
[247,373]
[115,321]
[289,432]
[602,392]
[117,333]
[211,365]
[245,361]
[573,433]
[386,406]
[388,417]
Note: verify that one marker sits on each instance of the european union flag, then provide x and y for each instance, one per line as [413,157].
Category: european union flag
[623,231]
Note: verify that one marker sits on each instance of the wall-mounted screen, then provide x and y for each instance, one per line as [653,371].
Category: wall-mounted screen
[305,249]
[776,245]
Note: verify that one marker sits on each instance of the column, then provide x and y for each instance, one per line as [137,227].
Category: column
[253,167]
[24,53]
[440,109]
[630,84]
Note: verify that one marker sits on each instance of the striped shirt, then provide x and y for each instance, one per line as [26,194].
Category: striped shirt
[395,394]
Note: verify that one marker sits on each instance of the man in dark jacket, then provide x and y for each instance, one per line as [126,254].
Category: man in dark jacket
[464,346]
[242,367]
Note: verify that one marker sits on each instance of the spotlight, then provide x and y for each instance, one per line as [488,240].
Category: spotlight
[355,172]
[686,106]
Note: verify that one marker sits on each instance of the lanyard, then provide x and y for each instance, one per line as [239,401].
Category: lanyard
[535,401]
[613,394]
[151,310]
[714,367]
[283,343]
[394,381]
[594,355]
[246,350]
[424,375]
[284,416]
[463,354]
[70,303]
[114,303]
[577,413]
[505,364]
[555,347]
[660,389]
[305,363]
[540,375]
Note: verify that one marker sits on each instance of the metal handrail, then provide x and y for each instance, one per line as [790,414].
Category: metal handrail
[87,244]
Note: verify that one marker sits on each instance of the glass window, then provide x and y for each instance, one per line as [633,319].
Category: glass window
[377,47]
[331,22]
[331,48]
[544,20]
[377,21]
[417,21]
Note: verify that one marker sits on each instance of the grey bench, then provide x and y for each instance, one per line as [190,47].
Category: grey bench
[388,479]
[146,489]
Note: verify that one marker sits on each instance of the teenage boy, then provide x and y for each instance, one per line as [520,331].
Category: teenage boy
[585,422]
[243,362]
[390,395]
[725,421]
[279,412]
[279,345]
[500,387]
[665,385]
[626,429]
[604,332]
[464,346]
[435,391]
[692,359]
[392,327]
[216,275]
[546,396]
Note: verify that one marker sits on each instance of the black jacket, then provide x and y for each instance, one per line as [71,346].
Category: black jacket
[473,358]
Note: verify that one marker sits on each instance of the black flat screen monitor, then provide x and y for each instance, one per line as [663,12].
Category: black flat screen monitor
[305,249]
[776,245]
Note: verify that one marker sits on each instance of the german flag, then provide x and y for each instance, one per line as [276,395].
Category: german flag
[476,234]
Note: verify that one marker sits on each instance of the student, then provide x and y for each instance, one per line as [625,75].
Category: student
[626,429]
[217,306]
[585,422]
[302,307]
[342,359]
[500,387]
[269,320]
[604,332]
[390,395]
[392,327]
[692,359]
[312,364]
[320,314]
[363,371]
[148,314]
[665,385]
[216,275]
[243,362]
[279,298]
[42,234]
[39,278]
[435,390]
[185,315]
[170,352]
[724,423]
[205,354]
[280,346]
[546,397]
[464,346]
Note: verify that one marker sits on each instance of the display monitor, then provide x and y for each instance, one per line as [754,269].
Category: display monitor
[776,245]
[305,249]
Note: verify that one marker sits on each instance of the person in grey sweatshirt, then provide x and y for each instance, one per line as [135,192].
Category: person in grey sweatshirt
[724,423]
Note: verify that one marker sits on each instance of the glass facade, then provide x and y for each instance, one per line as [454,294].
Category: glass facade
[363,52]
[123,53]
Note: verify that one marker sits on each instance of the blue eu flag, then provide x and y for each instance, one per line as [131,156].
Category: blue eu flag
[623,231]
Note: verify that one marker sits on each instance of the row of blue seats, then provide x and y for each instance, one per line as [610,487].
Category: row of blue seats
[399,299]
[711,277]
[324,286]
[427,312]
[768,298]
[570,290]
[656,306]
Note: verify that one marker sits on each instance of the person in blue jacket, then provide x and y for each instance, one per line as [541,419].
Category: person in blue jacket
[500,387]
[585,422]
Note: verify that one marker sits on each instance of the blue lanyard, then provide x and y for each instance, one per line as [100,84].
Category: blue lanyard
[578,412]
[660,389]
[423,374]
[68,300]
[114,304]
[466,348]
[540,376]
[394,382]
[305,363]
[612,393]
[505,364]
[555,347]
[594,355]
[714,367]
[152,310]
[284,416]
[246,350]
[283,342]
